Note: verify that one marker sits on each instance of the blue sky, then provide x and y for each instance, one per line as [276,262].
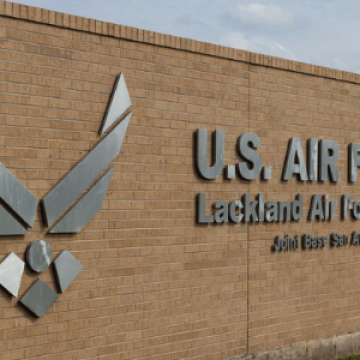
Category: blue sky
[320,32]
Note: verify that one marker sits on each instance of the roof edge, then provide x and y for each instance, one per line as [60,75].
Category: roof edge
[73,22]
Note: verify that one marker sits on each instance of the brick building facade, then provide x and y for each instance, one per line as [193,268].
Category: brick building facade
[155,284]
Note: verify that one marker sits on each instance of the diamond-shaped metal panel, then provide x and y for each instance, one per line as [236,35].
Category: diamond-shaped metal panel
[11,273]
[66,269]
[39,298]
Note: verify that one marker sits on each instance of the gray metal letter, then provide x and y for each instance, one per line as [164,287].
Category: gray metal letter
[297,207]
[261,207]
[85,209]
[312,159]
[284,211]
[206,171]
[295,162]
[246,145]
[346,205]
[230,172]
[329,154]
[81,176]
[354,161]
[202,218]
[250,207]
[356,210]
[232,216]
[316,208]
[222,212]
[271,213]
[119,102]
[267,172]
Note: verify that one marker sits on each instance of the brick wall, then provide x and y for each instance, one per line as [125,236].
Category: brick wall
[155,284]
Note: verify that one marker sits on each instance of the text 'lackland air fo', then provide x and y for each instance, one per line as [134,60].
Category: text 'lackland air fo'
[230,227]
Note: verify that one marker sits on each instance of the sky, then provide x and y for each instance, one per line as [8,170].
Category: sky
[320,32]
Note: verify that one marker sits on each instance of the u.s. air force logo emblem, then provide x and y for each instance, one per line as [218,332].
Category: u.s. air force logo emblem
[67,208]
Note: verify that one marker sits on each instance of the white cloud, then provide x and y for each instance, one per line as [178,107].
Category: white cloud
[264,14]
[236,40]
[259,44]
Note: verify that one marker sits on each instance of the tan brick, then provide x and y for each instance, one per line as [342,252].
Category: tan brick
[156,285]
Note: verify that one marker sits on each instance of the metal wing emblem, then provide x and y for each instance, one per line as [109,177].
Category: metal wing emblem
[63,212]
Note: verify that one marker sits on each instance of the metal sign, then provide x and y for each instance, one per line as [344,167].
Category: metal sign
[321,165]
[67,208]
